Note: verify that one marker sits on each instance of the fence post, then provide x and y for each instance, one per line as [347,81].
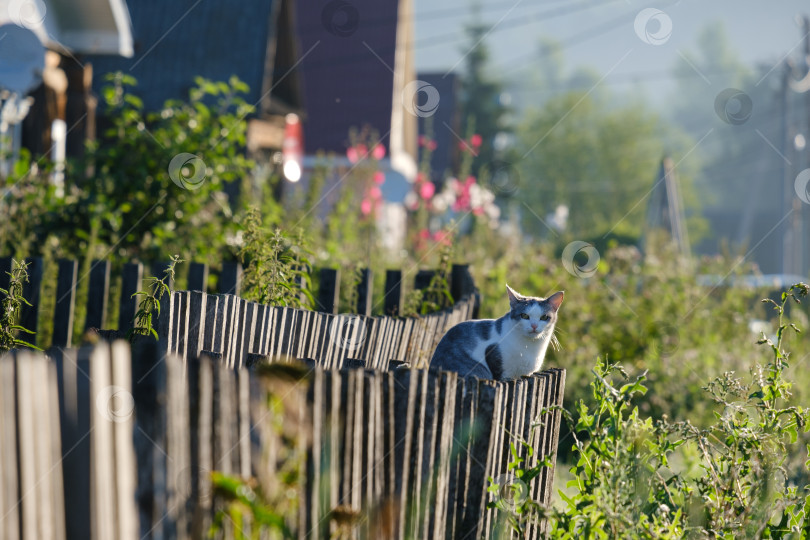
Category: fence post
[5,270]
[230,280]
[461,282]
[65,303]
[131,282]
[364,293]
[329,290]
[97,295]
[422,279]
[197,277]
[31,292]
[159,271]
[392,301]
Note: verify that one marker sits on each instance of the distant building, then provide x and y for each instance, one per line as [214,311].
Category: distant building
[443,127]
[69,29]
[355,62]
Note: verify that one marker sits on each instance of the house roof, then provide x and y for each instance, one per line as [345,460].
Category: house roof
[175,42]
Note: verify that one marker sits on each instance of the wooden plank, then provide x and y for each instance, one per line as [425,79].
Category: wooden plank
[131,283]
[159,269]
[487,398]
[429,426]
[422,279]
[197,277]
[26,441]
[364,289]
[212,307]
[31,292]
[394,295]
[112,404]
[6,264]
[328,299]
[230,280]
[126,524]
[9,487]
[201,401]
[73,377]
[65,303]
[461,282]
[97,293]
[197,315]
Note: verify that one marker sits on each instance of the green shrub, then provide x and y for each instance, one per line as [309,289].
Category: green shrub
[635,478]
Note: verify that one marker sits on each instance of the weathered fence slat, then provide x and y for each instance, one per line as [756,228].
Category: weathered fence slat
[364,292]
[32,290]
[97,293]
[230,280]
[197,277]
[131,283]
[65,303]
[393,295]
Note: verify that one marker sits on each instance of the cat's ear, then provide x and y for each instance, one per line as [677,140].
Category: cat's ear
[555,300]
[514,297]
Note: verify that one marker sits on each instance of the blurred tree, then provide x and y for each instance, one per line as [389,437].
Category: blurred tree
[599,160]
[482,104]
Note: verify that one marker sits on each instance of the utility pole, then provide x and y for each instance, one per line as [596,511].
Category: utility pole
[795,138]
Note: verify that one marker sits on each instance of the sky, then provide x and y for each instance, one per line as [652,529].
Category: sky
[601,35]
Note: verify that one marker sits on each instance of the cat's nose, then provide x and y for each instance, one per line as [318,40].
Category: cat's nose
[534,326]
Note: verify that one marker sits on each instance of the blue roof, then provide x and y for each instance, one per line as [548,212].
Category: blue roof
[176,41]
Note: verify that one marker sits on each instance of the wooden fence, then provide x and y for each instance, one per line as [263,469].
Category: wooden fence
[380,454]
[241,333]
[229,282]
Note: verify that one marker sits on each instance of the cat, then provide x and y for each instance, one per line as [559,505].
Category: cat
[502,349]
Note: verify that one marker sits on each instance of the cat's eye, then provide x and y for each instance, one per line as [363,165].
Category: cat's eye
[545,317]
[524,315]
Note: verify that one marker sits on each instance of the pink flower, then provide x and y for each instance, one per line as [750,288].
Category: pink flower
[478,211]
[424,234]
[365,207]
[475,140]
[379,178]
[421,140]
[351,153]
[469,181]
[427,190]
[420,177]
[432,146]
[375,193]
[443,237]
[378,152]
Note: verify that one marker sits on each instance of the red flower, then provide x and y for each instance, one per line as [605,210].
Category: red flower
[421,140]
[432,145]
[375,193]
[476,140]
[351,153]
[378,152]
[427,190]
[379,178]
[365,207]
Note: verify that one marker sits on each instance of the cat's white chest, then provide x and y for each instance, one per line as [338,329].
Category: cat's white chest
[522,357]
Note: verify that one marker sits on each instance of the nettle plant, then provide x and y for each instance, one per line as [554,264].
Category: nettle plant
[636,478]
[10,307]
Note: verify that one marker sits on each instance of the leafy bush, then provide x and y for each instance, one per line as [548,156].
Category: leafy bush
[635,478]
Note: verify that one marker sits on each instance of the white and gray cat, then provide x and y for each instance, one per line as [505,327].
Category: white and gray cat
[501,349]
